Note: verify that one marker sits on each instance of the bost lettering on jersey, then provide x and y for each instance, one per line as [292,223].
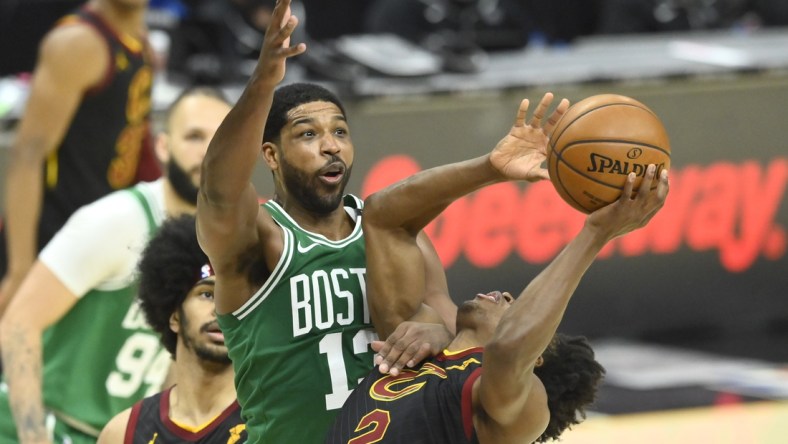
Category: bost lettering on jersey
[324,299]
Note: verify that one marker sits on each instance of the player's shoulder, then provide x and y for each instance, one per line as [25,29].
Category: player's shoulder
[115,430]
[73,37]
[123,204]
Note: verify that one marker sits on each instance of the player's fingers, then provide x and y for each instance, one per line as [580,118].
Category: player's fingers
[645,184]
[555,117]
[377,346]
[396,344]
[541,110]
[281,12]
[424,351]
[408,354]
[385,351]
[521,112]
[626,194]
[664,185]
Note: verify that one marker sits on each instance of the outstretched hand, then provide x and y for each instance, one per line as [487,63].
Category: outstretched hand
[276,44]
[631,211]
[521,153]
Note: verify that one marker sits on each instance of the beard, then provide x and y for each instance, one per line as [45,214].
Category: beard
[304,187]
[181,182]
[206,353]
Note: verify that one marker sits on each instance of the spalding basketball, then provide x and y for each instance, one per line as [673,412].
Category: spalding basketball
[598,142]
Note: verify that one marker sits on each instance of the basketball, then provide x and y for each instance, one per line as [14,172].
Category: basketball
[598,142]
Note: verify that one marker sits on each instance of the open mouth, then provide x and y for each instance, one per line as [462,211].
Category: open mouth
[332,173]
[493,296]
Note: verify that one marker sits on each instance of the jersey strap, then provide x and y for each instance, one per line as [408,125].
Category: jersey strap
[146,207]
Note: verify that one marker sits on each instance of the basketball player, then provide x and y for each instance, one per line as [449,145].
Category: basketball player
[290,274]
[176,294]
[85,131]
[535,383]
[77,349]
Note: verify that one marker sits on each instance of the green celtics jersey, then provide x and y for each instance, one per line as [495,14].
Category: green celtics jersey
[101,357]
[300,344]
[105,372]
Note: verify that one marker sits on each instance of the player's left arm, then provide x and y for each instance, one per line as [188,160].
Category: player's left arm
[115,430]
[401,279]
[510,402]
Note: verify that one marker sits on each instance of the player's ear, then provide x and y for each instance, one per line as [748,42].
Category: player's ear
[271,155]
[162,148]
[539,362]
[175,322]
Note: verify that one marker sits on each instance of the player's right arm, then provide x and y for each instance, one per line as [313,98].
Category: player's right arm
[115,430]
[229,220]
[71,60]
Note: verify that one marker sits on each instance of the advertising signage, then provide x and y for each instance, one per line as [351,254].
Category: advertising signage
[712,263]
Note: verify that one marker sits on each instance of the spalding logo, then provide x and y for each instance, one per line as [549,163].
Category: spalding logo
[634,153]
[604,164]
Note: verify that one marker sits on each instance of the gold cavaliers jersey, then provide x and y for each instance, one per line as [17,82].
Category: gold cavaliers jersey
[430,404]
[150,423]
[109,134]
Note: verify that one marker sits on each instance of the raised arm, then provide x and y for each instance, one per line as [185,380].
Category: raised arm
[393,217]
[71,60]
[512,399]
[229,220]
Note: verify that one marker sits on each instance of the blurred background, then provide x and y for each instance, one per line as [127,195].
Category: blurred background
[690,314]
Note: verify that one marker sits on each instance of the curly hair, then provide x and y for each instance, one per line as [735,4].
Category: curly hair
[570,375]
[290,96]
[168,269]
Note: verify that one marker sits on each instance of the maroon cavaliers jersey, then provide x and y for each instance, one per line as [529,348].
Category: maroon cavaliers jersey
[150,423]
[108,143]
[431,404]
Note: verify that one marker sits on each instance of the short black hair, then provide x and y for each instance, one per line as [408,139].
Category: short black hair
[168,269]
[570,375]
[290,96]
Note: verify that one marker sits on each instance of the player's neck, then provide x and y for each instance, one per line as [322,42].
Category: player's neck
[129,20]
[201,391]
[335,225]
[465,338]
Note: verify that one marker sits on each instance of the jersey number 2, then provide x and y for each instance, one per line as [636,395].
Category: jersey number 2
[331,346]
[377,421]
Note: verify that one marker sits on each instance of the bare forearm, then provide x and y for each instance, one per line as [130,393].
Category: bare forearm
[21,353]
[23,196]
[528,327]
[414,202]
[232,154]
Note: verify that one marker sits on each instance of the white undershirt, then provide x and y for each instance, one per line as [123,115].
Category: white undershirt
[101,243]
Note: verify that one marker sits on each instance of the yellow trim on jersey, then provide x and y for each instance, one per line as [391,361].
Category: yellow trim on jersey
[132,43]
[465,364]
[192,429]
[52,170]
[448,352]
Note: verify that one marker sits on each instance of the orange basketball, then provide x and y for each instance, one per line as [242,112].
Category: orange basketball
[598,142]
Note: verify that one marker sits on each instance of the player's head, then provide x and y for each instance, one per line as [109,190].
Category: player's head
[570,375]
[189,125]
[176,292]
[307,145]
[482,313]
